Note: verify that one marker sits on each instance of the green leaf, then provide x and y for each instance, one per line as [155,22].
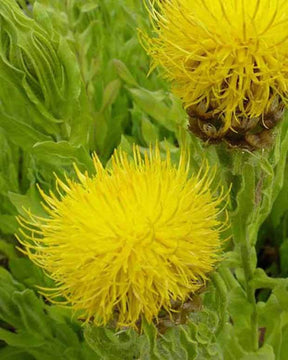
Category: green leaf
[32,313]
[265,353]
[178,344]
[9,311]
[153,104]
[11,353]
[34,331]
[8,224]
[20,340]
[124,73]
[280,206]
[112,345]
[19,132]
[273,317]
[31,201]
[7,249]
[149,347]
[149,131]
[110,94]
[62,154]
[40,77]
[27,273]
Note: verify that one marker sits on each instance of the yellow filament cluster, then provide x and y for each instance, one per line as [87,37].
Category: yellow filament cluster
[123,243]
[229,56]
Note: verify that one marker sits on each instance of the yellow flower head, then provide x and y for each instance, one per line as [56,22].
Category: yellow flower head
[228,58]
[124,243]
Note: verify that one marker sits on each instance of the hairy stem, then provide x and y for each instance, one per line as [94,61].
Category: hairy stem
[249,273]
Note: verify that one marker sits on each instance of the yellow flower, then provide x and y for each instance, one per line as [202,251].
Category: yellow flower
[129,240]
[226,59]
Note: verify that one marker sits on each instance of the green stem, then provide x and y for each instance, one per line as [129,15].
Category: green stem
[249,273]
[222,291]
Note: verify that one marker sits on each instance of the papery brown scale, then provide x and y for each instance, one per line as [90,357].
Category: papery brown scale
[246,132]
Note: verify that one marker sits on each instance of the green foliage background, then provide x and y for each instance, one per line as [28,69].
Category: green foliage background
[74,81]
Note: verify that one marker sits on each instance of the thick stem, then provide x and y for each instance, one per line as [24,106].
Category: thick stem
[249,273]
[222,291]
